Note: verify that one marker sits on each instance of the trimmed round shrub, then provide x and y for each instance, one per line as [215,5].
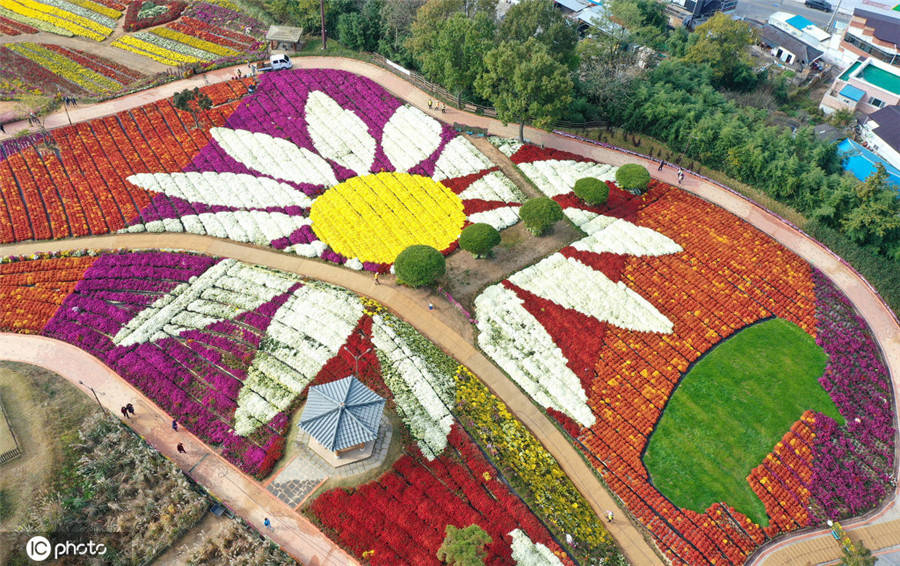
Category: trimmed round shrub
[633,178]
[538,214]
[479,239]
[591,191]
[419,265]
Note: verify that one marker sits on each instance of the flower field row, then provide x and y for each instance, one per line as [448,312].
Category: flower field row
[33,23]
[83,190]
[12,27]
[85,77]
[119,73]
[136,18]
[217,34]
[150,45]
[225,17]
[605,369]
[83,18]
[229,349]
[30,77]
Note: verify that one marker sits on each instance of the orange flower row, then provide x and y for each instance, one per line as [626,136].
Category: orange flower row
[29,299]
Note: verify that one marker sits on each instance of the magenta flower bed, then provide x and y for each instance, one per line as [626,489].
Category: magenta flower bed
[852,464]
[195,376]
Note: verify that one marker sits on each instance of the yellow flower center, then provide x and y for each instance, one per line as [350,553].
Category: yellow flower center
[375,217]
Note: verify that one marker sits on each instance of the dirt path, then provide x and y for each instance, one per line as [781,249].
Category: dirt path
[866,300]
[209,527]
[506,165]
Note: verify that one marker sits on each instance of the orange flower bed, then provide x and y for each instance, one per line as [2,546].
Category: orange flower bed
[31,292]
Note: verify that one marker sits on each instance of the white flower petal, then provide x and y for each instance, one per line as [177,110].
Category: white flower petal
[499,218]
[525,552]
[519,344]
[459,158]
[339,134]
[276,157]
[493,186]
[223,189]
[574,285]
[557,177]
[409,137]
[624,238]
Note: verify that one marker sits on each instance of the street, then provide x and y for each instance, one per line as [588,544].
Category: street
[760,9]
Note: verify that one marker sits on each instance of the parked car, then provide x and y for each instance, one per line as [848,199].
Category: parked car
[277,61]
[818,5]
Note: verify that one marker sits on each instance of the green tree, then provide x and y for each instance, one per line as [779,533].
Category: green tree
[592,191]
[541,20]
[419,265]
[632,177]
[539,214]
[456,56]
[645,20]
[396,24]
[361,30]
[428,23]
[723,44]
[875,221]
[464,547]
[192,101]
[524,84]
[479,239]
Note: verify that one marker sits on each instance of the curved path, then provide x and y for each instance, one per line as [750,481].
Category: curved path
[242,494]
[866,300]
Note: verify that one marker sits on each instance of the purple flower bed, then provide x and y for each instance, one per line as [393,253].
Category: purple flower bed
[195,376]
[853,464]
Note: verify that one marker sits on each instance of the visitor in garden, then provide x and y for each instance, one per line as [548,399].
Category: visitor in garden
[130,408]
[443,107]
[174,425]
[376,279]
[680,175]
[125,412]
[430,103]
[431,306]
[267,523]
[661,163]
[610,516]
[181,449]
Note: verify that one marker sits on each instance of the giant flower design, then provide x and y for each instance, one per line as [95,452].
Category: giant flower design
[336,186]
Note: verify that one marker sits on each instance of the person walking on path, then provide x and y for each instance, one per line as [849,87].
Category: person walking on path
[430,103]
[610,516]
[174,425]
[130,408]
[181,449]
[661,164]
[376,278]
[680,175]
[431,306]
[267,523]
[125,412]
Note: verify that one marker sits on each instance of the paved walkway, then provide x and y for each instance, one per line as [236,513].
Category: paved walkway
[244,495]
[880,318]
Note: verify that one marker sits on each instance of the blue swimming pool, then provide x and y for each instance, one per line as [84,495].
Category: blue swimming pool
[861,162]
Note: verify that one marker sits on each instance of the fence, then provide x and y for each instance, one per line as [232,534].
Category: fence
[17,450]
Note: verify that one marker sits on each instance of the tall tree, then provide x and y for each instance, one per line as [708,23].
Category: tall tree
[396,20]
[524,83]
[723,44]
[429,19]
[464,547]
[457,57]
[541,20]
[192,101]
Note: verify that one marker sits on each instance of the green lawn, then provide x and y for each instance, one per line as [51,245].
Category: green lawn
[730,410]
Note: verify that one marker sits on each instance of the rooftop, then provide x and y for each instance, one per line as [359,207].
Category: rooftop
[888,120]
[853,93]
[862,163]
[774,37]
[800,22]
[342,413]
[885,28]
[284,33]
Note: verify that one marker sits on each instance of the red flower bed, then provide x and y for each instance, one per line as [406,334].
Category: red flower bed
[402,516]
[133,23]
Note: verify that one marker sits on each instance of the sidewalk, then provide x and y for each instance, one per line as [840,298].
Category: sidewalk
[242,494]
